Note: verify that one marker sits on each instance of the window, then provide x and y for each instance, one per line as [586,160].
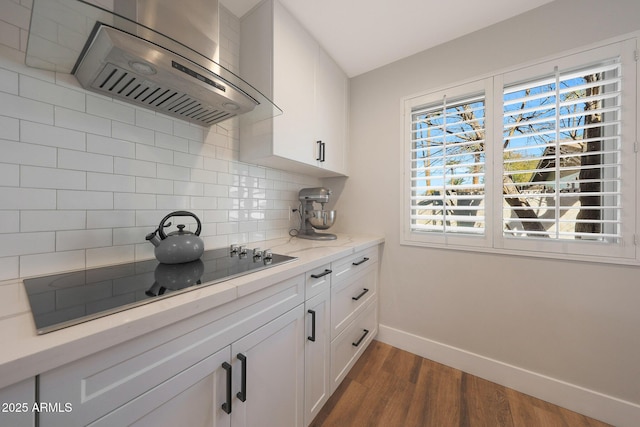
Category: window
[447,166]
[561,154]
[539,160]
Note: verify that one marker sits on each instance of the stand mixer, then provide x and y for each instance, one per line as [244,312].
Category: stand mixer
[311,218]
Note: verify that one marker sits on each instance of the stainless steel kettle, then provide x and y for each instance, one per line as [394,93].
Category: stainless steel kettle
[178,246]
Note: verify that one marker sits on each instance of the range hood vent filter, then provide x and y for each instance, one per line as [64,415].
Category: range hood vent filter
[132,69]
[125,85]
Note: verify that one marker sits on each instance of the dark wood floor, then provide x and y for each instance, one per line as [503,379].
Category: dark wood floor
[393,388]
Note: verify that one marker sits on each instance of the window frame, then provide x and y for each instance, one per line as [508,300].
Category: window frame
[494,241]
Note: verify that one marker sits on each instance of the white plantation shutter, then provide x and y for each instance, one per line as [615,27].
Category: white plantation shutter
[562,155]
[448,166]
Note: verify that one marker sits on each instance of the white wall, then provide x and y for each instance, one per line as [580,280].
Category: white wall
[83,178]
[574,322]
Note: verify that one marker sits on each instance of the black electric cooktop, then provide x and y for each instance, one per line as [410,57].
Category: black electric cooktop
[66,299]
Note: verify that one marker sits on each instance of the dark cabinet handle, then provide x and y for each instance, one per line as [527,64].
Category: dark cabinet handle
[313,326]
[324,147]
[364,291]
[360,262]
[324,273]
[226,406]
[357,343]
[242,394]
[319,158]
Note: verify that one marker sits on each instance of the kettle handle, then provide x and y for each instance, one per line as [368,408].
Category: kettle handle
[178,213]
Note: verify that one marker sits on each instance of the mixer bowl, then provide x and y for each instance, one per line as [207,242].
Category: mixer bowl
[321,219]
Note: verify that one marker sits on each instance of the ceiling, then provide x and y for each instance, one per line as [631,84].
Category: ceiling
[362,35]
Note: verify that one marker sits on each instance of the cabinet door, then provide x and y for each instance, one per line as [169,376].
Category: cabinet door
[317,355]
[331,112]
[17,404]
[268,371]
[295,54]
[192,398]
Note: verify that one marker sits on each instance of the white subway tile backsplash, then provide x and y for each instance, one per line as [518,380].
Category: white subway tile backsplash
[105,107]
[9,268]
[134,201]
[110,146]
[204,176]
[110,255]
[188,160]
[188,130]
[149,120]
[110,219]
[110,182]
[172,142]
[51,93]
[27,243]
[83,239]
[9,221]
[38,177]
[177,173]
[132,133]
[27,109]
[188,188]
[154,185]
[51,220]
[27,198]
[9,35]
[38,133]
[8,81]
[83,177]
[86,200]
[80,160]
[83,122]
[9,128]
[9,175]
[154,154]
[31,265]
[173,202]
[134,167]
[130,235]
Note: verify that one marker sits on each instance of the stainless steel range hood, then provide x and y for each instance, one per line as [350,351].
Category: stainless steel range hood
[159,54]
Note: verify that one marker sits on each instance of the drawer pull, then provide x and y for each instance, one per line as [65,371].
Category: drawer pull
[226,406]
[242,394]
[313,326]
[364,291]
[357,343]
[324,273]
[365,259]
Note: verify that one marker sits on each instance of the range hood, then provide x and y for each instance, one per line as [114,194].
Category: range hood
[158,54]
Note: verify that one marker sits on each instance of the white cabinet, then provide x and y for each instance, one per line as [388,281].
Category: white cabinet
[354,310]
[17,402]
[268,372]
[288,65]
[131,381]
[318,342]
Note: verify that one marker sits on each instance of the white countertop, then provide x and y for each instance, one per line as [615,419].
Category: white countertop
[25,353]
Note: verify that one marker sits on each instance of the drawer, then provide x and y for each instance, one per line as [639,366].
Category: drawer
[347,348]
[349,297]
[317,280]
[104,381]
[353,264]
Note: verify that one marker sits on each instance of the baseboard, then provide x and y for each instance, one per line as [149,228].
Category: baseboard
[596,405]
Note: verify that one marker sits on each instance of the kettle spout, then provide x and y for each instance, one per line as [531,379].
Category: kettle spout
[153,238]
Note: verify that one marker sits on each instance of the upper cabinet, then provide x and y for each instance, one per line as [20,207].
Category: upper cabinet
[288,65]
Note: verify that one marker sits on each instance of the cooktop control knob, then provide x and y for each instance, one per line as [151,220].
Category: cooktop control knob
[267,254]
[257,254]
[233,249]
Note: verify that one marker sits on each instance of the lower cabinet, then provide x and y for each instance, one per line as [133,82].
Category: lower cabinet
[268,372]
[18,402]
[269,359]
[317,355]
